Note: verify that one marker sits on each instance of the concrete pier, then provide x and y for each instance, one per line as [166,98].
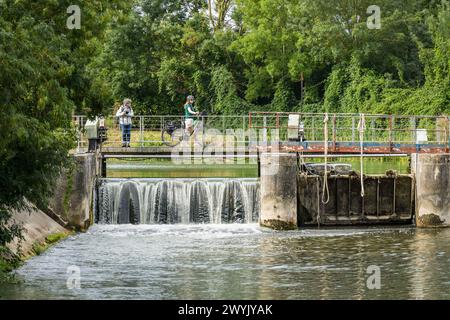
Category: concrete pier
[279,191]
[432,173]
[73,198]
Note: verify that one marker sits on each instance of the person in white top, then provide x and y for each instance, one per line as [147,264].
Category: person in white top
[125,114]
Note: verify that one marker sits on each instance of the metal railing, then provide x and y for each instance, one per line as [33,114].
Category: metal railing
[394,131]
[146,130]
[427,133]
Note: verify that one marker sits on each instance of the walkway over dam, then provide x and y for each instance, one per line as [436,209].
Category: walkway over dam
[309,133]
[291,196]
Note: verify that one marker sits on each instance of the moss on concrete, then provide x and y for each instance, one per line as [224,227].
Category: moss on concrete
[41,247]
[429,220]
[68,191]
[279,225]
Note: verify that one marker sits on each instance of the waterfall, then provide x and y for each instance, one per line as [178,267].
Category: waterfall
[171,201]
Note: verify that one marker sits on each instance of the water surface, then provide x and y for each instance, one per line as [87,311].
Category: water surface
[240,261]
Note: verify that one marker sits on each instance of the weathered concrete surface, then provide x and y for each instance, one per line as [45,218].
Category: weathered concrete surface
[432,173]
[73,198]
[37,226]
[279,191]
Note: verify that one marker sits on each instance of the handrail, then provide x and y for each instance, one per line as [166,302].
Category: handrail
[381,128]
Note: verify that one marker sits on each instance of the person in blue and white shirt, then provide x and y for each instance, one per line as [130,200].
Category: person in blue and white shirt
[125,114]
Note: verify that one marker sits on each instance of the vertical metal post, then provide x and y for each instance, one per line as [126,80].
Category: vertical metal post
[313,129]
[244,142]
[265,131]
[372,124]
[162,122]
[334,132]
[142,131]
[353,129]
[413,130]
[390,133]
[447,141]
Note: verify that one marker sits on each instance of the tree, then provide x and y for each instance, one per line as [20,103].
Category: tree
[218,11]
[41,83]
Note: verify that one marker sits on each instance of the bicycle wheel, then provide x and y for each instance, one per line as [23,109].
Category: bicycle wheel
[172,137]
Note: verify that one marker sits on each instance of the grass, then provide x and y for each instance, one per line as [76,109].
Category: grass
[152,138]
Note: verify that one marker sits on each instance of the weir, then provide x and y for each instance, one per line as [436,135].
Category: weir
[171,201]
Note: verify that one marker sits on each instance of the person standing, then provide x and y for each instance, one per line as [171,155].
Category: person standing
[189,113]
[125,114]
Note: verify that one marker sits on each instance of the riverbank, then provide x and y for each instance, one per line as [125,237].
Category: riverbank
[39,233]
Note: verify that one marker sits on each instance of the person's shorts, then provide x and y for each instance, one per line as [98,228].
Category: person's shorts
[189,123]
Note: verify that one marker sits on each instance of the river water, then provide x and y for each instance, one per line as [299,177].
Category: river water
[239,261]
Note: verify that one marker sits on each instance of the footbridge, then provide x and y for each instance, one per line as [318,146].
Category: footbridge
[291,196]
[307,133]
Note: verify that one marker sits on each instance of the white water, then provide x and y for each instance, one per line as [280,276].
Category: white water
[171,201]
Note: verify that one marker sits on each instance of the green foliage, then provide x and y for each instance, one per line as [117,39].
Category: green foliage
[258,61]
[284,98]
[44,78]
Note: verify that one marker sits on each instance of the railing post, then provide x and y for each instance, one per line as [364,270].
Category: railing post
[223,126]
[243,134]
[413,130]
[162,122]
[265,130]
[313,128]
[390,133]
[446,134]
[334,132]
[372,124]
[141,123]
[353,129]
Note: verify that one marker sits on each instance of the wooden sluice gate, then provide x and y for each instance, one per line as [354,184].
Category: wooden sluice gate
[388,199]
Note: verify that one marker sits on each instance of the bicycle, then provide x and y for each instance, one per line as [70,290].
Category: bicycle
[173,133]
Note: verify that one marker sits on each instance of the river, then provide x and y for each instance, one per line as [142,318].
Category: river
[239,261]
